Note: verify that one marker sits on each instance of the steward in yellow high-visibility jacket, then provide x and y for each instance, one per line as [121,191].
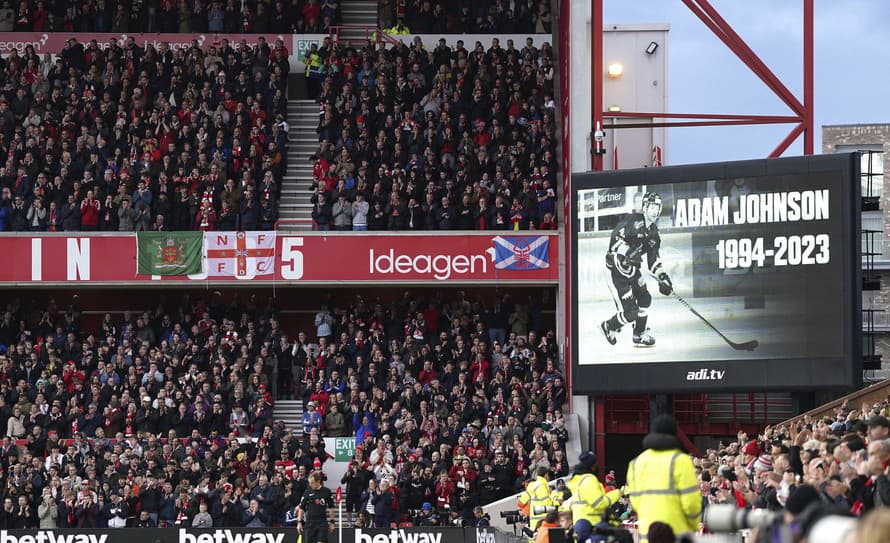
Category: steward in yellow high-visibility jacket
[661,481]
[534,500]
[589,499]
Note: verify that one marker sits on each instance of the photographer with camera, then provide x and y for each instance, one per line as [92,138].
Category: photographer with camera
[427,516]
[535,500]
[662,483]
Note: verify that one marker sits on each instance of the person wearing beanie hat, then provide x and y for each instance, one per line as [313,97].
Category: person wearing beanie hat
[751,449]
[661,481]
[764,463]
[588,499]
[583,530]
[660,532]
[799,499]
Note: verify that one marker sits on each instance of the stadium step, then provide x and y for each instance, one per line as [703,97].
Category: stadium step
[358,12]
[291,413]
[302,116]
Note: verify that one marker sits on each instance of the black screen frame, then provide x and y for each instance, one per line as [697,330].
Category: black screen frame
[784,374]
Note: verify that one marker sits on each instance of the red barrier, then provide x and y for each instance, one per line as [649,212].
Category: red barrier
[313,257]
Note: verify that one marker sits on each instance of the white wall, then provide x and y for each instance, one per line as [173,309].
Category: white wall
[642,88]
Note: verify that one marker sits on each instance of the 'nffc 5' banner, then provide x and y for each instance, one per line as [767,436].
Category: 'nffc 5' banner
[243,255]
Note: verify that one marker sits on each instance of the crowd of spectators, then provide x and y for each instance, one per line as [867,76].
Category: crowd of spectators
[129,138]
[165,417]
[441,139]
[170,16]
[465,17]
[840,463]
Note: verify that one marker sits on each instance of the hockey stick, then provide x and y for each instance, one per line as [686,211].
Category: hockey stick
[746,346]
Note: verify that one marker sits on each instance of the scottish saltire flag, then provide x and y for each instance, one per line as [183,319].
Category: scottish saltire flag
[521,253]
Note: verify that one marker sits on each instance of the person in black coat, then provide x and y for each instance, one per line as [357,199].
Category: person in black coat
[70,213]
[382,500]
[18,221]
[7,514]
[87,512]
[225,512]
[25,515]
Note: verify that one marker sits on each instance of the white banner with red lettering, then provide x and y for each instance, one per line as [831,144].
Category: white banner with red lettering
[242,255]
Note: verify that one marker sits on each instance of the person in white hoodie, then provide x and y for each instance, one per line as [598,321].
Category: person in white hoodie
[360,209]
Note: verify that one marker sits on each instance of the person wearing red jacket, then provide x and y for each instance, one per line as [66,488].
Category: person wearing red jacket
[89,212]
[481,367]
[464,475]
[445,492]
[206,217]
[428,374]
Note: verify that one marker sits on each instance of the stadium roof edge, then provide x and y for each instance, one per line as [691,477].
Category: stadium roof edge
[848,125]
[636,27]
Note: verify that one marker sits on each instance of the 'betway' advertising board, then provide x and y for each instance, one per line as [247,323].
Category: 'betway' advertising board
[408,535]
[316,257]
[243,535]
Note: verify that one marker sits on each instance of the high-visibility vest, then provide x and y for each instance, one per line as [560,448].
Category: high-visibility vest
[589,499]
[663,488]
[536,497]
[314,66]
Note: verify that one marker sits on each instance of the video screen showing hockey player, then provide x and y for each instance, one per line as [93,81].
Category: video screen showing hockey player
[704,270]
[634,239]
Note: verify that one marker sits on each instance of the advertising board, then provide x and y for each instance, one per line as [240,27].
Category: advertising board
[740,275]
[313,258]
[254,535]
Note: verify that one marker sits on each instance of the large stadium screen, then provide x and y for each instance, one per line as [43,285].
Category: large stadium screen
[731,276]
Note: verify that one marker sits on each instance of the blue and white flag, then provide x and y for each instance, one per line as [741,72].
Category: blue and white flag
[521,253]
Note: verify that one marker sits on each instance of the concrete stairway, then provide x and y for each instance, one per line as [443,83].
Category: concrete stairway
[302,116]
[357,12]
[291,412]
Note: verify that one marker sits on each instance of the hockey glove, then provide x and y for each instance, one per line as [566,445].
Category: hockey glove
[665,287]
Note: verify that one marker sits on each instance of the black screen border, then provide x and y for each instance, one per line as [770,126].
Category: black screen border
[786,374]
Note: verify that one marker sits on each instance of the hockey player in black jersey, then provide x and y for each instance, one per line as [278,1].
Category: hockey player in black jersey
[635,237]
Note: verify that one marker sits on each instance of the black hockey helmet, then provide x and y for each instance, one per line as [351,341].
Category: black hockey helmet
[651,199]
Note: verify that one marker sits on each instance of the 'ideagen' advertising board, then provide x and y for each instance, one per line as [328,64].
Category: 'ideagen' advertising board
[729,276]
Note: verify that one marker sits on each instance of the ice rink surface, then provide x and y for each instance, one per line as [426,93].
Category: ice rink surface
[680,335]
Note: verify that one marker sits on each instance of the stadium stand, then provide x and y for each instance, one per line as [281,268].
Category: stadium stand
[169,412]
[446,139]
[839,460]
[427,17]
[127,138]
[169,16]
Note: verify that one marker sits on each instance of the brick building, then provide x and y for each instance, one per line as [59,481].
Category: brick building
[873,140]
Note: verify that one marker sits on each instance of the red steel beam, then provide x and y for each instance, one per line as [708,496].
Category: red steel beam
[741,49]
[724,37]
[682,124]
[648,115]
[596,29]
[789,139]
[809,124]
[565,64]
[599,430]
